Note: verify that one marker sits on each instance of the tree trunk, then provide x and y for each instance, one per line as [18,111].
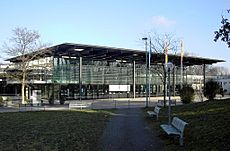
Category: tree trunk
[23,88]
[165,91]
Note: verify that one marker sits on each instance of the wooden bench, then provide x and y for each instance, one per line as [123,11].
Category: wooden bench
[161,102]
[155,112]
[175,128]
[78,105]
[31,107]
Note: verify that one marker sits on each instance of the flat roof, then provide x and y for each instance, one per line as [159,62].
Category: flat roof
[95,52]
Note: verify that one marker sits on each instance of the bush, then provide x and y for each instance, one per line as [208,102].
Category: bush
[62,99]
[28,101]
[51,100]
[1,101]
[222,92]
[9,99]
[211,89]
[187,94]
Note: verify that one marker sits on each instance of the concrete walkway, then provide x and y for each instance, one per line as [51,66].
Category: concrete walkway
[127,131]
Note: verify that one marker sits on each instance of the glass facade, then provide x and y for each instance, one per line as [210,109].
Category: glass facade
[97,76]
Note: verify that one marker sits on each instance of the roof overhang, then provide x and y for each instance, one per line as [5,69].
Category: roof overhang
[94,52]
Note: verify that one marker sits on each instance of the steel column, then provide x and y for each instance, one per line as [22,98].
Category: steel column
[134,79]
[80,77]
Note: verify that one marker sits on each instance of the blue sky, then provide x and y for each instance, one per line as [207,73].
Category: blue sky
[120,23]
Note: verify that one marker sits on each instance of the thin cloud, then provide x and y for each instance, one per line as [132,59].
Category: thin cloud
[160,21]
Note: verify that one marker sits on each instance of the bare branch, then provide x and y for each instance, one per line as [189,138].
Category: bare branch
[24,44]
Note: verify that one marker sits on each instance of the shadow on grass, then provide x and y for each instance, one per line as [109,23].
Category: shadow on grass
[52,130]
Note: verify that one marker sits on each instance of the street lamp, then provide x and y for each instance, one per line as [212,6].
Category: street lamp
[169,68]
[146,87]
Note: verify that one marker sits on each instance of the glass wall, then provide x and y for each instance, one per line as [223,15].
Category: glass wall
[97,76]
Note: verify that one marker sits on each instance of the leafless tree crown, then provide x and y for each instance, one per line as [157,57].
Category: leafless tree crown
[159,42]
[23,41]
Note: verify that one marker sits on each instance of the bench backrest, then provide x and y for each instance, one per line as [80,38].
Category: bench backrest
[178,124]
[157,109]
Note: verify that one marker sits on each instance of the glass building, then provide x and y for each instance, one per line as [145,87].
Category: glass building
[90,72]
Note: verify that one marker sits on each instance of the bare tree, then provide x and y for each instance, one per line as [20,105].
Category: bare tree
[217,71]
[24,44]
[195,69]
[159,44]
[210,69]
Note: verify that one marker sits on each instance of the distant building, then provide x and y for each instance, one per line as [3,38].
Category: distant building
[224,82]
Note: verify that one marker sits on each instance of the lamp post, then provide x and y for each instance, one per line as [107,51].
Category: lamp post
[149,60]
[169,69]
[146,87]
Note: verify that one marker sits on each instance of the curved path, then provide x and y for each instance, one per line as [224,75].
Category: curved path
[127,131]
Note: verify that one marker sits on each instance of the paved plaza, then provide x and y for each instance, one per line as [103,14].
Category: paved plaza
[115,103]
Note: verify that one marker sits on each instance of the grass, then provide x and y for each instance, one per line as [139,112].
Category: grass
[208,128]
[54,130]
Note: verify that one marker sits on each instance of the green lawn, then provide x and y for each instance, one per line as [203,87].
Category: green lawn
[208,128]
[54,130]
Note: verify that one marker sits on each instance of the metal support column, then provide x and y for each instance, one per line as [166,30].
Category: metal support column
[174,69]
[186,74]
[53,72]
[146,73]
[181,76]
[134,79]
[204,75]
[149,80]
[146,76]
[80,77]
[177,77]
[169,106]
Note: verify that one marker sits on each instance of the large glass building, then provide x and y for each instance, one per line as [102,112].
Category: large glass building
[89,72]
